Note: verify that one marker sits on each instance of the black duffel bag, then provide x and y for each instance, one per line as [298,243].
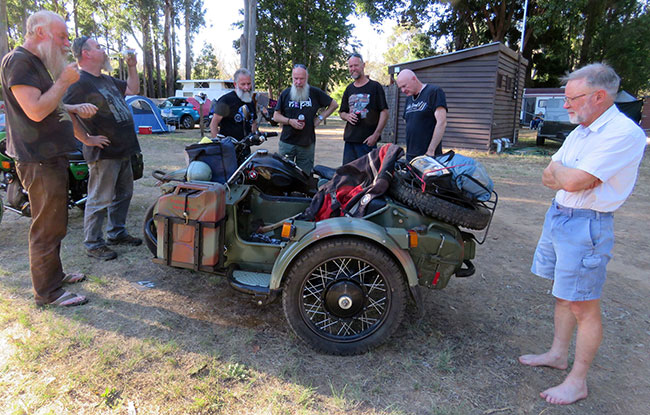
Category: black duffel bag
[219,155]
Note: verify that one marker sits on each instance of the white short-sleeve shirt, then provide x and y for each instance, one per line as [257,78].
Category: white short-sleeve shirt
[610,149]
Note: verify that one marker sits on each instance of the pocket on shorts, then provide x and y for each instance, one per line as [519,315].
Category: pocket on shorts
[591,261]
[592,278]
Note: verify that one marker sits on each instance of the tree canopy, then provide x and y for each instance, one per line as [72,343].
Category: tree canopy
[560,35]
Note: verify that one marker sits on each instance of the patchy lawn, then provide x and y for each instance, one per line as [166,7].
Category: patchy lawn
[191,344]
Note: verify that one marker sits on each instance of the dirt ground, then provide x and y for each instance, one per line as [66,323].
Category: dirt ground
[460,358]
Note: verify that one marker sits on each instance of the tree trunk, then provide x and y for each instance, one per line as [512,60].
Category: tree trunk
[251,36]
[156,50]
[188,42]
[4,28]
[167,42]
[594,15]
[243,40]
[148,56]
[175,60]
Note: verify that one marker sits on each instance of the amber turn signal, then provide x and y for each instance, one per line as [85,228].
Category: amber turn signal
[413,239]
[288,230]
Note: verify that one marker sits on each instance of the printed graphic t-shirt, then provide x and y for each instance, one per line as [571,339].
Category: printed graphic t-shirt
[28,140]
[233,123]
[421,121]
[367,102]
[292,109]
[113,118]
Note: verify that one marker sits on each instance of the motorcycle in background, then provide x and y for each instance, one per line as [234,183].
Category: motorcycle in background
[17,200]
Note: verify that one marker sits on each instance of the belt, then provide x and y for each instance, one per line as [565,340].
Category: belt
[587,213]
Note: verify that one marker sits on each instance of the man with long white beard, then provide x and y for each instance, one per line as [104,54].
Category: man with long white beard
[110,182]
[297,109]
[229,118]
[39,136]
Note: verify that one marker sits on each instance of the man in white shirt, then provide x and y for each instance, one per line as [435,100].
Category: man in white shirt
[593,172]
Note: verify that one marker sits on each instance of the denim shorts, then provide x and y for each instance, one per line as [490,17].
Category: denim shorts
[574,250]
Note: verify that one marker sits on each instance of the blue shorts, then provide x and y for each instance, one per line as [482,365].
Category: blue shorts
[574,250]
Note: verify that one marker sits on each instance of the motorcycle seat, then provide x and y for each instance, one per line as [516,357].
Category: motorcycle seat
[75,156]
[323,171]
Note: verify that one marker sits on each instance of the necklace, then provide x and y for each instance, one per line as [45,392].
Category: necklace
[418,95]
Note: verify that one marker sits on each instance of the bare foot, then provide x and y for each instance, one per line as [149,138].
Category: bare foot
[545,359]
[566,393]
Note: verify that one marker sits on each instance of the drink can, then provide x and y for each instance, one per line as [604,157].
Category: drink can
[301,117]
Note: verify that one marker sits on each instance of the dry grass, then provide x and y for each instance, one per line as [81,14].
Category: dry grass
[193,345]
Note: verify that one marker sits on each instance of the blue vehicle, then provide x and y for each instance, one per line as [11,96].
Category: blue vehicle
[180,111]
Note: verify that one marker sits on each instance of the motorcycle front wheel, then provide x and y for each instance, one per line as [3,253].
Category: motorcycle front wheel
[344,296]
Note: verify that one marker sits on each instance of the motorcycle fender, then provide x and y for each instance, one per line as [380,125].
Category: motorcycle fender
[394,240]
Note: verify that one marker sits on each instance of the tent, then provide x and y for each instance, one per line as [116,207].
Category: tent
[146,113]
[629,106]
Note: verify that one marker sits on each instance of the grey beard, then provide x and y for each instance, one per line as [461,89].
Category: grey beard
[107,65]
[244,95]
[299,94]
[53,58]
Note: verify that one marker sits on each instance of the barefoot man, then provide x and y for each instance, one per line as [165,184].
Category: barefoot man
[593,172]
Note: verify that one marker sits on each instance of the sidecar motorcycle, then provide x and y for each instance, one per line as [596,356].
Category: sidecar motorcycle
[344,281]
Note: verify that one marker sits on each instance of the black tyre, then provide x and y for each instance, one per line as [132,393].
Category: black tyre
[469,216]
[187,122]
[149,230]
[344,296]
[539,141]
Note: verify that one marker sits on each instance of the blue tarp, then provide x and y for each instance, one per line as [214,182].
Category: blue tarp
[146,113]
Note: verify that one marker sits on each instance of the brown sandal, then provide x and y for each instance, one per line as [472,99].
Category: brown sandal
[68,299]
[73,277]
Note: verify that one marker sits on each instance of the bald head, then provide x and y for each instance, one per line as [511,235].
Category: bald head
[408,83]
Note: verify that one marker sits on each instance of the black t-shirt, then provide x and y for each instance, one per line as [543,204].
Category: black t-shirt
[113,118]
[28,140]
[291,109]
[367,102]
[234,123]
[421,121]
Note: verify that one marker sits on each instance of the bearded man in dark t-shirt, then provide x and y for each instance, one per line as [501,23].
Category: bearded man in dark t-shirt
[39,136]
[365,111]
[297,109]
[425,114]
[230,119]
[110,182]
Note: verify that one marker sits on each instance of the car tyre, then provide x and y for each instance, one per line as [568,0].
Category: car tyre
[187,122]
[344,296]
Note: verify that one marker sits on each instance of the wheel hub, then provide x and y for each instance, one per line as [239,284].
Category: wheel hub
[344,299]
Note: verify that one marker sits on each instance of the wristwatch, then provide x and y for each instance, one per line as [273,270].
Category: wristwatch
[320,117]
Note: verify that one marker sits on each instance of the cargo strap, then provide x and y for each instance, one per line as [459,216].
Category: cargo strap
[198,237]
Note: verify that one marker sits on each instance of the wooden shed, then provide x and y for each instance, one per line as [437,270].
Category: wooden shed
[483,95]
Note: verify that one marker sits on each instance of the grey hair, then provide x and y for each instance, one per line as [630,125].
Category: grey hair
[242,71]
[39,19]
[597,75]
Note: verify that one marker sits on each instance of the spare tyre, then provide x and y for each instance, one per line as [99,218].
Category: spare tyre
[466,215]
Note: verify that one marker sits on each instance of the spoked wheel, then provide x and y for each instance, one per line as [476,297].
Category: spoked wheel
[149,230]
[344,296]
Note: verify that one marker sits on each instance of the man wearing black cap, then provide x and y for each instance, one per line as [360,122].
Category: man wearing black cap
[110,184]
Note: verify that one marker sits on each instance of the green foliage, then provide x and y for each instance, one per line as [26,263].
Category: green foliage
[560,36]
[407,43]
[300,31]
[207,65]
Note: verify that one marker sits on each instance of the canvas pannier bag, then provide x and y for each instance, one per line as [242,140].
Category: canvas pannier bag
[220,155]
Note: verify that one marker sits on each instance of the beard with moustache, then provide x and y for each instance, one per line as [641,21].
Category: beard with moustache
[106,66]
[299,94]
[52,57]
[244,96]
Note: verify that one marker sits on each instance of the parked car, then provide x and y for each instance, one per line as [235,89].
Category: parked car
[180,111]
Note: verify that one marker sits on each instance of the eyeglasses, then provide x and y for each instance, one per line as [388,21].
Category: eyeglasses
[569,100]
[299,65]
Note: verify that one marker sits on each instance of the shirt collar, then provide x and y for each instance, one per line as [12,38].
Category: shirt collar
[604,118]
